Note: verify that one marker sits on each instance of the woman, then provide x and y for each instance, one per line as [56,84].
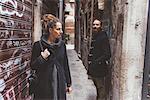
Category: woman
[49,60]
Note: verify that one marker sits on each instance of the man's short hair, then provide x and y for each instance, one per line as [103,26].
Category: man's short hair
[98,20]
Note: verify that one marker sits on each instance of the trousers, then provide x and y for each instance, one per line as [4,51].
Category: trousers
[100,88]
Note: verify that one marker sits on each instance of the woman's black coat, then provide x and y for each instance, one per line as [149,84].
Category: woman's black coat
[99,55]
[44,70]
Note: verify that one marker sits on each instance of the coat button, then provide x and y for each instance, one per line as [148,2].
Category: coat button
[89,62]
[90,55]
[91,47]
[93,40]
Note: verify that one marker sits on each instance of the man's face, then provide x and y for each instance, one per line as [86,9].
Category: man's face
[96,25]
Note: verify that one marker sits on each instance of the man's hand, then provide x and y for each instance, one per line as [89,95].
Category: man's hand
[69,90]
[45,54]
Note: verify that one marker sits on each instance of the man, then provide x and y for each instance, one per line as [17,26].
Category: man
[99,56]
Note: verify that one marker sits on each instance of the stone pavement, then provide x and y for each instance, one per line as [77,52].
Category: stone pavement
[83,89]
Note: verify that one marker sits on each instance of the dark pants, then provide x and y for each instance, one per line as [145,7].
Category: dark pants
[100,87]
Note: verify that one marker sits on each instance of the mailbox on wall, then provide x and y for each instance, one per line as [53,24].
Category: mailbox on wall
[15,48]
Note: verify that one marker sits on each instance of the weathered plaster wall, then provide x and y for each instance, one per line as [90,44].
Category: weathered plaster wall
[129,33]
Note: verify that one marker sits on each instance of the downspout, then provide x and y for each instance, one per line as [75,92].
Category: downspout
[61,10]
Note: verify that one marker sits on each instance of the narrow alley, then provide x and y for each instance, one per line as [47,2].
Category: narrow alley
[127,76]
[83,88]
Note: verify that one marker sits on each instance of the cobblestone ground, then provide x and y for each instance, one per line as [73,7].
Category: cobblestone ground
[83,89]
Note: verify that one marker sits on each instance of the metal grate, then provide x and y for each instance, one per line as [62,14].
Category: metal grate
[15,48]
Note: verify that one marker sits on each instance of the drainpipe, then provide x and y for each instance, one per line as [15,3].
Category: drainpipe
[61,10]
[77,26]
[61,16]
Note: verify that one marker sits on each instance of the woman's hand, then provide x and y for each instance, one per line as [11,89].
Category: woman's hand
[69,90]
[45,54]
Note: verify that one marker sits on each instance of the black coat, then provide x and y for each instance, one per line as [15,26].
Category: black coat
[44,71]
[99,55]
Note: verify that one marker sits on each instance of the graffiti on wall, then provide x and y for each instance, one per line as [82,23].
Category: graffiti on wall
[13,74]
[6,11]
[16,9]
[15,48]
[6,23]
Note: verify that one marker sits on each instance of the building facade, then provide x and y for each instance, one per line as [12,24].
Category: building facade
[20,26]
[15,48]
[127,31]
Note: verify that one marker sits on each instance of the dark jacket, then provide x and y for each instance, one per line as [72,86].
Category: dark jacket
[45,69]
[99,55]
